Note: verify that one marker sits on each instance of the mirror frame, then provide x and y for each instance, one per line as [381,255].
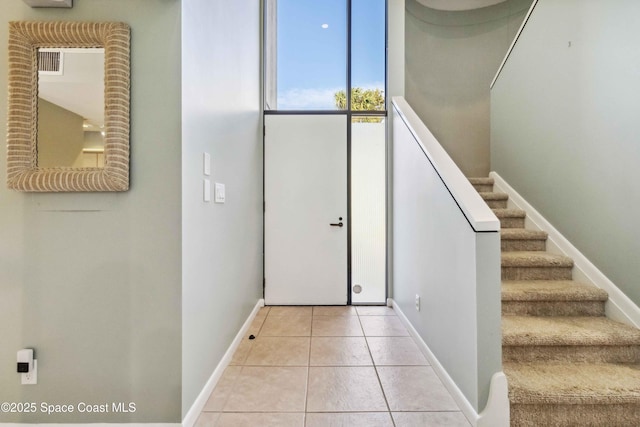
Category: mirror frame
[23,173]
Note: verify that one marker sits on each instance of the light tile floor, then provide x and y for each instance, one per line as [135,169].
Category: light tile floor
[329,366]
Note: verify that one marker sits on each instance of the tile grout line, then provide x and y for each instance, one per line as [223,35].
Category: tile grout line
[375,368]
[306,396]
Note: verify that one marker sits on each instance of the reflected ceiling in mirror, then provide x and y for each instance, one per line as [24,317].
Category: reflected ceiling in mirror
[27,42]
[70,107]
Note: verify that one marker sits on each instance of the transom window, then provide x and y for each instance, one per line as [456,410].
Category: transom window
[325,55]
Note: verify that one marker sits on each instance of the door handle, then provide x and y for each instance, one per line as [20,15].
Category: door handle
[340,224]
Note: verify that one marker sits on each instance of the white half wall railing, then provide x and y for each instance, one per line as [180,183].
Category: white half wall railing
[446,252]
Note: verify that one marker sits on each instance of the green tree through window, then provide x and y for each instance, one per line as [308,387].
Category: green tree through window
[362,100]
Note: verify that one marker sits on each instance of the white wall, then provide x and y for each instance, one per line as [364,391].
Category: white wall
[565,127]
[440,257]
[92,280]
[450,61]
[222,243]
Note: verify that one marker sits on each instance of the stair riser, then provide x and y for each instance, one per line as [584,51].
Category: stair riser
[483,188]
[553,308]
[572,353]
[497,204]
[574,415]
[511,222]
[536,273]
[523,245]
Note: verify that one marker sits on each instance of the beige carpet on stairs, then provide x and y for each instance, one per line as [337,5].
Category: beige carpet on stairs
[566,363]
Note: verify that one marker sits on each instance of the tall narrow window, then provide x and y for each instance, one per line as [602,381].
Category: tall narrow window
[368,53]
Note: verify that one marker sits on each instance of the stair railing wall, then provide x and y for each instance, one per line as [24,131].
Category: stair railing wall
[446,252]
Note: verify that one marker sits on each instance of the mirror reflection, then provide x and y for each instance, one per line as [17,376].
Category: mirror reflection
[70,107]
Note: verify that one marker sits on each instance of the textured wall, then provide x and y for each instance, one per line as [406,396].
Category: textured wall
[92,281]
[565,128]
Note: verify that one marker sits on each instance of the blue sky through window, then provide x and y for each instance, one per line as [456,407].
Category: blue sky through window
[312,46]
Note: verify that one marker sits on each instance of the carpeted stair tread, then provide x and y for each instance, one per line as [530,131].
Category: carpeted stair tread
[482,184]
[509,213]
[566,331]
[510,218]
[550,290]
[534,259]
[493,195]
[573,383]
[520,239]
[483,180]
[522,234]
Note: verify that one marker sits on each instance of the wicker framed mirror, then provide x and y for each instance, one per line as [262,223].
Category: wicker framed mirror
[25,40]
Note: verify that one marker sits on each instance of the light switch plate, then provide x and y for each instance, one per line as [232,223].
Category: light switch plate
[50,3]
[206,167]
[207,191]
[219,193]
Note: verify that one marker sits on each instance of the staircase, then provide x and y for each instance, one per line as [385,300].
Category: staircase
[566,363]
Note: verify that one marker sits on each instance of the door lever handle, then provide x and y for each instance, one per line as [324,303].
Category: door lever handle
[340,224]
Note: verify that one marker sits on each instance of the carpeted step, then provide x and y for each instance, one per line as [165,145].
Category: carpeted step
[510,218]
[495,200]
[535,266]
[551,298]
[519,239]
[566,363]
[568,339]
[483,184]
[543,394]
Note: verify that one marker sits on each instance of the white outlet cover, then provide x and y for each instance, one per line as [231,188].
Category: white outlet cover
[31,378]
[219,196]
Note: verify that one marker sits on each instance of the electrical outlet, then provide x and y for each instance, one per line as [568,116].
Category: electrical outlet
[31,377]
[417,302]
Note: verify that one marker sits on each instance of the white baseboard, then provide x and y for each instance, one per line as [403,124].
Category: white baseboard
[495,414]
[619,307]
[194,412]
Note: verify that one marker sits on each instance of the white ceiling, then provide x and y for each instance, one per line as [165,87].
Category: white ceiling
[80,88]
[458,5]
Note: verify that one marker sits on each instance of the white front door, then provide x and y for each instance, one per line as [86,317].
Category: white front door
[305,193]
